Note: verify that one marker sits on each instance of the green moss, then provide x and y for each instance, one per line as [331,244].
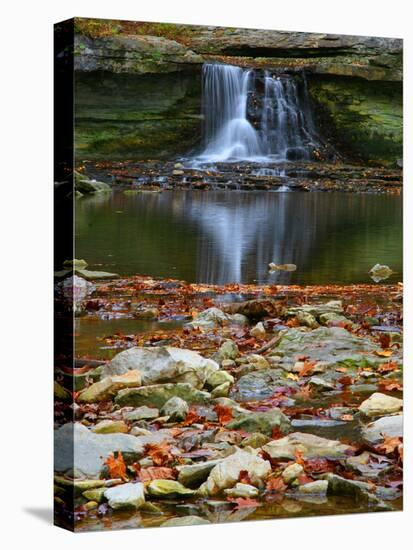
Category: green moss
[365,117]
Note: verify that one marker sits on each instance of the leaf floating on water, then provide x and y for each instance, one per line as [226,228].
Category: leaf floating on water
[282,267]
[380,272]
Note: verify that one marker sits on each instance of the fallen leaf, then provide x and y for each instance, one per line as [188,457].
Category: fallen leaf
[244,502]
[159,452]
[116,466]
[276,484]
[224,413]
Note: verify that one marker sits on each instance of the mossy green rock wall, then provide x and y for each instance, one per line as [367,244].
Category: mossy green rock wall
[136,116]
[364,118]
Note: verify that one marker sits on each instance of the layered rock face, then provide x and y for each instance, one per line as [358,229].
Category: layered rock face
[141,95]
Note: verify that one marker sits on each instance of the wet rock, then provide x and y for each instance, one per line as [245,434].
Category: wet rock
[258,331]
[380,272]
[318,487]
[168,488]
[256,309]
[87,186]
[390,426]
[380,404]
[263,422]
[368,465]
[146,313]
[228,350]
[75,264]
[210,318]
[219,377]
[330,345]
[226,474]
[338,485]
[320,384]
[255,440]
[176,408]
[163,364]
[260,384]
[110,427]
[91,450]
[221,391]
[242,490]
[192,475]
[158,394]
[185,521]
[258,361]
[141,413]
[311,446]
[291,473]
[95,494]
[333,319]
[108,387]
[129,495]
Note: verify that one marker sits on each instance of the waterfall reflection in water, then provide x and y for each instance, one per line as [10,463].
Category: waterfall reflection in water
[230,236]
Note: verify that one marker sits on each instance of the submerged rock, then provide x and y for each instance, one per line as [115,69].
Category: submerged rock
[380,404]
[129,495]
[311,446]
[226,474]
[163,364]
[76,447]
[158,394]
[263,422]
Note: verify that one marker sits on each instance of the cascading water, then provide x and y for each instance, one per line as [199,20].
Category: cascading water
[283,123]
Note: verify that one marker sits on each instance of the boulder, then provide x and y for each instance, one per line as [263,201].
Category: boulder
[312,446]
[77,448]
[110,427]
[380,404]
[387,426]
[109,386]
[176,408]
[263,422]
[129,495]
[226,474]
[192,475]
[157,395]
[168,488]
[185,521]
[163,364]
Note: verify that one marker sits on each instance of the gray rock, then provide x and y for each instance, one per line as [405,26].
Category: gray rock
[141,413]
[176,408]
[291,472]
[228,350]
[260,384]
[78,448]
[390,426]
[192,475]
[158,394]
[163,364]
[263,422]
[219,377]
[221,391]
[338,485]
[318,487]
[312,446]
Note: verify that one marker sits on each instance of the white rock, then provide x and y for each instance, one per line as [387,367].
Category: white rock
[129,495]
[380,404]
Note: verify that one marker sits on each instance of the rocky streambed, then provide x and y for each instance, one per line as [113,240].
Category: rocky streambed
[261,402]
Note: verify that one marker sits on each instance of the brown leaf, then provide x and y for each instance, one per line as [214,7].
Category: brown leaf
[244,502]
[160,453]
[224,413]
[116,466]
[276,484]
[156,472]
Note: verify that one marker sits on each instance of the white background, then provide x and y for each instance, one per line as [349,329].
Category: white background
[26,268]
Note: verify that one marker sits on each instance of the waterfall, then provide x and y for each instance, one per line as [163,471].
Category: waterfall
[283,127]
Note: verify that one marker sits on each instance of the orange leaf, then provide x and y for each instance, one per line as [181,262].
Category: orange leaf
[384,353]
[389,445]
[116,466]
[160,453]
[307,368]
[156,472]
[299,457]
[224,413]
[191,418]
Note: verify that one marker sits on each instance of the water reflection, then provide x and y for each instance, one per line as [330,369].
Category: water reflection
[227,236]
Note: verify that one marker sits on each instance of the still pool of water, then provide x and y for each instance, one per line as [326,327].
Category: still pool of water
[223,237]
